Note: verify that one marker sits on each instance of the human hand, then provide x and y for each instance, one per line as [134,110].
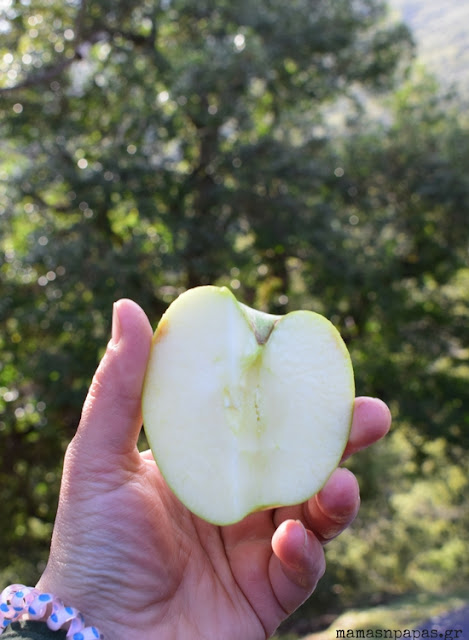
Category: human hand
[138,564]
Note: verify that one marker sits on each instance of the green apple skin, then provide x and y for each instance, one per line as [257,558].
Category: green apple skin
[245,410]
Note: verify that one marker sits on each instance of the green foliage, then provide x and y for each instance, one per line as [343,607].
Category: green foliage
[154,146]
[423,520]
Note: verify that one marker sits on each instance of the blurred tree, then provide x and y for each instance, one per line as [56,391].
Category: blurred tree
[406,194]
[151,147]
[404,197]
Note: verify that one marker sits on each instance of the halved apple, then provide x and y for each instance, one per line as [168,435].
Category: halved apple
[244,410]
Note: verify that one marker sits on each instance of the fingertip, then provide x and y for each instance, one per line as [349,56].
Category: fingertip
[371,422]
[129,319]
[340,497]
[373,413]
[120,372]
[289,542]
[297,564]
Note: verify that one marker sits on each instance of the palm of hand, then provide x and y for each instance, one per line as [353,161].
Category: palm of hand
[176,576]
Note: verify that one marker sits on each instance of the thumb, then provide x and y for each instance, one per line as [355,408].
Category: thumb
[111,417]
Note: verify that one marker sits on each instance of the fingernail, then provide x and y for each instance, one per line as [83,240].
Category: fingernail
[116,325]
[305,535]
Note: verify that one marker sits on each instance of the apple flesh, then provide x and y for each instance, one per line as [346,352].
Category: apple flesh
[244,410]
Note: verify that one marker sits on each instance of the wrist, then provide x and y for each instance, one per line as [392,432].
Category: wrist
[18,602]
[66,582]
[89,595]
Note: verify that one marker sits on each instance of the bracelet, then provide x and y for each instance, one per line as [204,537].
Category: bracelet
[18,602]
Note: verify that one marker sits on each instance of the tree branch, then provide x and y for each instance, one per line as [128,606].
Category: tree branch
[40,78]
[55,70]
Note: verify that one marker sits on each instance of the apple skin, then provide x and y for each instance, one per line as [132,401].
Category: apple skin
[245,410]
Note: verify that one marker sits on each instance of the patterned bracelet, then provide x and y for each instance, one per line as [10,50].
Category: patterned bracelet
[18,602]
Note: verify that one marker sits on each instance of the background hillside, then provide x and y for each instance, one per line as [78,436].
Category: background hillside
[441,32]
